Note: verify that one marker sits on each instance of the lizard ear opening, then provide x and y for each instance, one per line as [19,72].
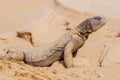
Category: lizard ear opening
[89,28]
[86,29]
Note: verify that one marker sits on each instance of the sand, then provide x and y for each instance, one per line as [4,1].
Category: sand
[47,21]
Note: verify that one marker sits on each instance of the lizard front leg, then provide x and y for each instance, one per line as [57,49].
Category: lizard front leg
[68,57]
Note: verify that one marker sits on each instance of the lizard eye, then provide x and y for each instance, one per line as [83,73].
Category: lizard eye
[97,18]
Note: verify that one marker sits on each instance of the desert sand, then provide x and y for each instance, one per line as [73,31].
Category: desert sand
[47,20]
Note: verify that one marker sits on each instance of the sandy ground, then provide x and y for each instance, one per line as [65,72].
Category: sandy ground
[47,21]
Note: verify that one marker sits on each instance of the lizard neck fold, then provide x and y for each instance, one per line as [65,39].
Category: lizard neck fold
[78,32]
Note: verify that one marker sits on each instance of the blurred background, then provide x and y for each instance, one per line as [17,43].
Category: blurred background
[17,14]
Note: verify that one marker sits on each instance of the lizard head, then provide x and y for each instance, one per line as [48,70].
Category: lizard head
[14,54]
[91,24]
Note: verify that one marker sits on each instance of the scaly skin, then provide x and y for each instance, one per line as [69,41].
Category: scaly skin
[63,48]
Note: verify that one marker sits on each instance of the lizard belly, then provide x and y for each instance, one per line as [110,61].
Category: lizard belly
[41,53]
[48,61]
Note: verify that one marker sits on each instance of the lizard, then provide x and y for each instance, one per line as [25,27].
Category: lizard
[63,48]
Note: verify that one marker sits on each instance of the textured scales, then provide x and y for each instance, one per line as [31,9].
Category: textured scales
[63,48]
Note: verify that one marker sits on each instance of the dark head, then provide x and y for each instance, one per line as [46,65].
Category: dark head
[91,24]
